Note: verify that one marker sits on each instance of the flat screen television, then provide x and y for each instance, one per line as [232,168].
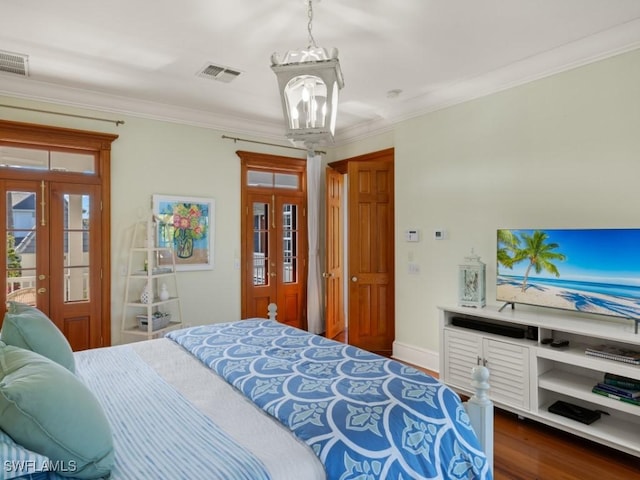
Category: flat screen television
[587,270]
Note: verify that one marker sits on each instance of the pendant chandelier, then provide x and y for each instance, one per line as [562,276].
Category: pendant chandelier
[309,80]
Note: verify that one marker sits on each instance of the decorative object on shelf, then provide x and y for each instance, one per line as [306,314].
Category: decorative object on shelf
[164,293]
[147,294]
[472,282]
[158,320]
[185,224]
[309,80]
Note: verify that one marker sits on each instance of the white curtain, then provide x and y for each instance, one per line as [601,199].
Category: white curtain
[315,305]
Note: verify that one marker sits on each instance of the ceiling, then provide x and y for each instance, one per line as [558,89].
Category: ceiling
[142,57]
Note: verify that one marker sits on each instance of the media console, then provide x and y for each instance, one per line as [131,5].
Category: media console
[528,376]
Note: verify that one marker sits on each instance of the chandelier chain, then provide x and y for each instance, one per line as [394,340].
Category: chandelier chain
[312,41]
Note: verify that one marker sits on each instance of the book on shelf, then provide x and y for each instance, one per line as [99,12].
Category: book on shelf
[614,353]
[623,392]
[621,381]
[633,401]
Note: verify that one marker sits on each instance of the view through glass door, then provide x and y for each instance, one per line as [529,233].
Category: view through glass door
[23,236]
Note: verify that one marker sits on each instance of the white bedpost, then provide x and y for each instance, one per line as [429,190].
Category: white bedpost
[480,411]
[273,311]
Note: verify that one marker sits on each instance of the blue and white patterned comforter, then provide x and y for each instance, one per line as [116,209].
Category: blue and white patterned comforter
[365,416]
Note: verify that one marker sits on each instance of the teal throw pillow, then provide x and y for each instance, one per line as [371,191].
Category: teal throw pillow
[47,409]
[27,327]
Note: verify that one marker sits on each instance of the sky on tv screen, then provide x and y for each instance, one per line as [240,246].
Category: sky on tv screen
[598,255]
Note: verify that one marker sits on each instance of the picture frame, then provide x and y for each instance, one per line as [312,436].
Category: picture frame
[187,226]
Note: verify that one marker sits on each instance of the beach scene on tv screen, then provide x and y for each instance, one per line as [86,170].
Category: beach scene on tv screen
[589,270]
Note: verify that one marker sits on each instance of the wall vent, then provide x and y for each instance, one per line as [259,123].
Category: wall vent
[219,73]
[14,63]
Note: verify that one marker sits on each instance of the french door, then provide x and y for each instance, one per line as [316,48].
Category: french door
[274,237]
[55,196]
[277,259]
[52,258]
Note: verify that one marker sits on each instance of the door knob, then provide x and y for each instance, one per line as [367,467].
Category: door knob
[354,279]
[327,275]
[42,290]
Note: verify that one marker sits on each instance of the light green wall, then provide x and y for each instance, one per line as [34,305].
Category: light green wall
[165,158]
[559,152]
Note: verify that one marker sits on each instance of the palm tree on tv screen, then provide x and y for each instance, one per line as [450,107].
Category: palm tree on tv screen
[539,253]
[507,247]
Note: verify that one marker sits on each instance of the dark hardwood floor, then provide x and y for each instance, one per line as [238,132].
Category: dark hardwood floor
[527,450]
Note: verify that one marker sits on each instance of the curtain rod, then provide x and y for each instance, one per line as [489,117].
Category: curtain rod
[117,122]
[236,139]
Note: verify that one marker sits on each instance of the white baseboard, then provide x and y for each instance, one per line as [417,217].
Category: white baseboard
[416,356]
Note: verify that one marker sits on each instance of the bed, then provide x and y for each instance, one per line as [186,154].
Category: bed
[256,399]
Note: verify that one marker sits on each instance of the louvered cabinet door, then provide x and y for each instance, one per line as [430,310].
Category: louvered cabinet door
[509,367]
[462,351]
[507,362]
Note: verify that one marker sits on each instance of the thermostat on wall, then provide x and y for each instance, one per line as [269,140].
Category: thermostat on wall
[412,236]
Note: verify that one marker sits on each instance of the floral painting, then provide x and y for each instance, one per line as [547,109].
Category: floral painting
[185,224]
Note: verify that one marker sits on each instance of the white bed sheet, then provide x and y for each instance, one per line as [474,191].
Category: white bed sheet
[284,456]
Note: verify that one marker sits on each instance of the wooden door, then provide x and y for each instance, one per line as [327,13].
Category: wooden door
[75,275]
[333,274]
[290,271]
[54,254]
[259,284]
[371,252]
[276,253]
[55,192]
[26,229]
[274,237]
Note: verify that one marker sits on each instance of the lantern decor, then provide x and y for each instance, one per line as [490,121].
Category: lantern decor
[472,282]
[309,80]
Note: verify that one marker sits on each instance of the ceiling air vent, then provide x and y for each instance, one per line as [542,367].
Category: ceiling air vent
[14,63]
[217,72]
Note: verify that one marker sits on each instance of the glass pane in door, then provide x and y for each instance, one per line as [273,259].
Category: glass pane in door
[76,248]
[24,158]
[289,243]
[21,247]
[260,243]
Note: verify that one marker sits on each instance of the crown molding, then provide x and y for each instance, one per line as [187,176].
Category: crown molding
[602,45]
[33,90]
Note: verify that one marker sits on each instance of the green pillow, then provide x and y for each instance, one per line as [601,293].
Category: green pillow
[48,410]
[27,327]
